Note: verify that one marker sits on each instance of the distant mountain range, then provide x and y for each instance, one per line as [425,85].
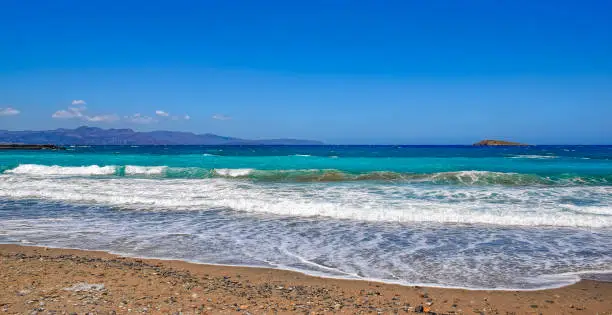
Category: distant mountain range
[98,136]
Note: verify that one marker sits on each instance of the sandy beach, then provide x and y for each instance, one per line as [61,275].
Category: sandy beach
[46,280]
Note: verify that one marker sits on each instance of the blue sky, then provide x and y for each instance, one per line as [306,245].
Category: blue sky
[412,72]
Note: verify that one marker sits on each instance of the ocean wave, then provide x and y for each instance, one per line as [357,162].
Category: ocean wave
[498,205]
[469,178]
[144,170]
[35,169]
[233,172]
[533,156]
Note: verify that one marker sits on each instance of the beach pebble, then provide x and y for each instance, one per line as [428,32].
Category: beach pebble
[23,292]
[84,286]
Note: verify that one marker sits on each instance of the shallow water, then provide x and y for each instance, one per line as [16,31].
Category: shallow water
[499,218]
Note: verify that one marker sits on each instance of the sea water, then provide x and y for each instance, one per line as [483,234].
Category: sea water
[451,216]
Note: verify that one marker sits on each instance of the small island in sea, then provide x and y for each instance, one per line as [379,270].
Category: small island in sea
[493,143]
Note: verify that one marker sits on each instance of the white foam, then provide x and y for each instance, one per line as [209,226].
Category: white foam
[544,206]
[35,169]
[424,254]
[533,156]
[233,172]
[144,170]
[465,177]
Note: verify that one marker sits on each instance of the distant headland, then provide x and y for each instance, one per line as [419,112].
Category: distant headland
[494,143]
[17,146]
[97,136]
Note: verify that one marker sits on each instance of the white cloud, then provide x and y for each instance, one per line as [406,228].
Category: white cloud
[221,117]
[77,109]
[102,118]
[140,119]
[185,117]
[78,113]
[9,111]
[161,113]
[67,114]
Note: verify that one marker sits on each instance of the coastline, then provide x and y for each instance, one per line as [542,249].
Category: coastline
[19,146]
[37,279]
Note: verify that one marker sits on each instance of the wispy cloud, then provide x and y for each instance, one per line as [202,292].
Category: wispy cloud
[9,111]
[161,113]
[77,109]
[221,117]
[67,114]
[140,119]
[78,112]
[102,118]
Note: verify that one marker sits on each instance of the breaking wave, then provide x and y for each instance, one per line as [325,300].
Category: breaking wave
[315,175]
[499,205]
[144,170]
[236,172]
[35,169]
[533,156]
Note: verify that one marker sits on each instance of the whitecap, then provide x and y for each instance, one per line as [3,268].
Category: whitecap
[497,205]
[35,169]
[233,172]
[144,170]
[533,156]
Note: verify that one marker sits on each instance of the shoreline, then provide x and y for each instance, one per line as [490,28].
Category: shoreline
[606,273]
[34,278]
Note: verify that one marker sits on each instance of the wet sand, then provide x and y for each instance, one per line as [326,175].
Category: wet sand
[45,280]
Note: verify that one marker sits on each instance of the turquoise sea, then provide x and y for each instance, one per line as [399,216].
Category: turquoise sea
[452,216]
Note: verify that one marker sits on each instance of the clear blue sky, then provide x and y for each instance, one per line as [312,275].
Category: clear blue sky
[414,72]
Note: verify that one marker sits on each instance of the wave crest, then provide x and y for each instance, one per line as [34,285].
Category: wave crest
[470,178]
[233,172]
[35,169]
[499,205]
[533,156]
[144,170]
